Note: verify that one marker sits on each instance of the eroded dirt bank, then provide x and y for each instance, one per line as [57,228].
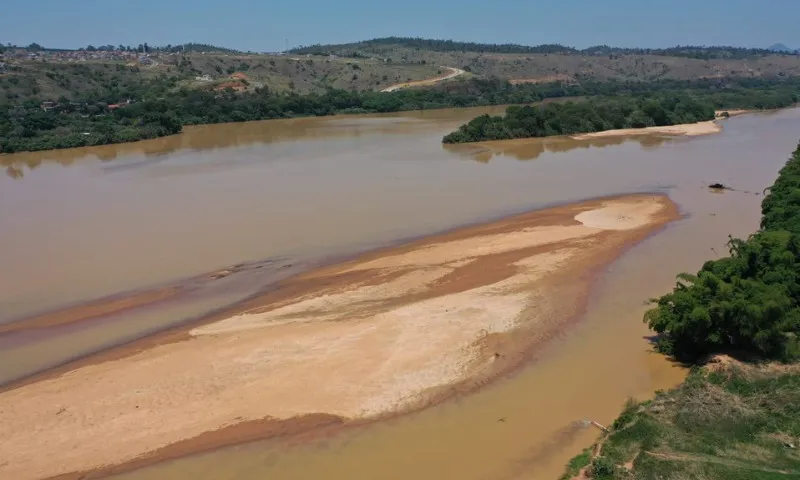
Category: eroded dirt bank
[390,331]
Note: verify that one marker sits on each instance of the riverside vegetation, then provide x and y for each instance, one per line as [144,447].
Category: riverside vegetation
[161,106]
[639,110]
[730,419]
[594,115]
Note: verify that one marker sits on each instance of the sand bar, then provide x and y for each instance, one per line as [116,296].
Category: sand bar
[688,129]
[388,332]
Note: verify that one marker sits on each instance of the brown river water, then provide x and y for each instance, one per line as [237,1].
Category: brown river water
[80,224]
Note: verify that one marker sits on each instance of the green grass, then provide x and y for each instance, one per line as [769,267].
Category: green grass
[577,463]
[734,423]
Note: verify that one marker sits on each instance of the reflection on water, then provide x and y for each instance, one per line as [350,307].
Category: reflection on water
[15,171]
[210,137]
[589,372]
[532,148]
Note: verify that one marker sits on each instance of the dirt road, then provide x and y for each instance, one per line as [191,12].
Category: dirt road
[454,72]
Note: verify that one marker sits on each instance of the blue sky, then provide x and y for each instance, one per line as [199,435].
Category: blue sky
[262,25]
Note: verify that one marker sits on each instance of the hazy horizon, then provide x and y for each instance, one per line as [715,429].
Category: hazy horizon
[244,26]
[246,50]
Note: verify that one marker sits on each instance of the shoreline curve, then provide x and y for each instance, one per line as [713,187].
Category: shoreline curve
[478,300]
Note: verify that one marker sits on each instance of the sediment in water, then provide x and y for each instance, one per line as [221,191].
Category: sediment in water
[388,332]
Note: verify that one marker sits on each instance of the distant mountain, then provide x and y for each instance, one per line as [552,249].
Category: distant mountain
[780,47]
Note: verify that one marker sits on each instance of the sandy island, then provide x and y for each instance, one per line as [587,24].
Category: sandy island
[688,129]
[390,331]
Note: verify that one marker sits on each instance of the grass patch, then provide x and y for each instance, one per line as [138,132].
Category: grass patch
[577,462]
[740,421]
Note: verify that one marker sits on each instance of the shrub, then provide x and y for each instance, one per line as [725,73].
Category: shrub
[603,467]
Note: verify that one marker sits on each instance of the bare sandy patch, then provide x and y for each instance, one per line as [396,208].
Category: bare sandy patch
[689,130]
[732,112]
[618,216]
[387,332]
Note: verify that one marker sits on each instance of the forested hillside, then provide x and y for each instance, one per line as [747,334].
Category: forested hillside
[51,98]
[38,73]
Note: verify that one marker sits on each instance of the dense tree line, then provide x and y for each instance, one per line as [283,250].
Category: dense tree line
[699,52]
[593,115]
[45,130]
[634,105]
[750,301]
[160,105]
[687,51]
[87,120]
[196,47]
[718,90]
[434,45]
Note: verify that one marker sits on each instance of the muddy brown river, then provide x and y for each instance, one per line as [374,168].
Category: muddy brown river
[81,224]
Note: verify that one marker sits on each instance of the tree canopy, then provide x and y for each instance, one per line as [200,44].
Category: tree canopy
[26,126]
[592,115]
[748,302]
[438,45]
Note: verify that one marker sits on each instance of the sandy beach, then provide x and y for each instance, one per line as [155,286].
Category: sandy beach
[689,130]
[388,332]
[734,112]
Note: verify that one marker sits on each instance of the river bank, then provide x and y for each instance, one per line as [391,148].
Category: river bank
[688,129]
[388,332]
[91,227]
[732,417]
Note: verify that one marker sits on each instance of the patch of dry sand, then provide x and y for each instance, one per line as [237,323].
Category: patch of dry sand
[689,130]
[376,335]
[732,113]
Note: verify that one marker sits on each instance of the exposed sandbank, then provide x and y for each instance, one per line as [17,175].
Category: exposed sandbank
[734,112]
[688,129]
[387,332]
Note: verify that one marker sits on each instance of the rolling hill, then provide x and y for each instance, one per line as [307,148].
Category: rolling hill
[38,74]
[780,47]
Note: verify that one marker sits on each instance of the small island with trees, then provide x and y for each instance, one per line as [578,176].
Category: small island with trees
[594,115]
[604,113]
